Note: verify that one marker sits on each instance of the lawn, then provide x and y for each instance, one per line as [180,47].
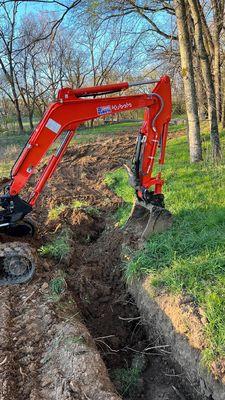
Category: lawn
[191,255]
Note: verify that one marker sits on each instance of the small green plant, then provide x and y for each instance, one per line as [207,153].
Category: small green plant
[59,248]
[92,211]
[127,379]
[57,287]
[55,212]
[83,205]
[76,204]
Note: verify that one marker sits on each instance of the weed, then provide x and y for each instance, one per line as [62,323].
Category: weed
[76,204]
[57,286]
[59,248]
[127,379]
[55,212]
[92,211]
[83,205]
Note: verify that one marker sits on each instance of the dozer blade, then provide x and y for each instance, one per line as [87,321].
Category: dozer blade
[145,220]
[17,263]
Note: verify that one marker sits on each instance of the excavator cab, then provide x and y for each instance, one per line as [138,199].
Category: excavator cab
[72,108]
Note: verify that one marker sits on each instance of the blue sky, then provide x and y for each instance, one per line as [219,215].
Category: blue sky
[134,25]
[27,7]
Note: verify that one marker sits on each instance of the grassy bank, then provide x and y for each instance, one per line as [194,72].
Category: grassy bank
[191,255]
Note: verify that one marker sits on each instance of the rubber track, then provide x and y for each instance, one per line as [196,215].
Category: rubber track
[20,250]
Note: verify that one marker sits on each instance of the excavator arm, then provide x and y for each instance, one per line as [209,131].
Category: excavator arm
[63,117]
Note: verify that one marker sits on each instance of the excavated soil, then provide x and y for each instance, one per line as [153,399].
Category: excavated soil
[31,324]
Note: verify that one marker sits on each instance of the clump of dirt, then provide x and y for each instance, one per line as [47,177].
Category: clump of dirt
[94,273]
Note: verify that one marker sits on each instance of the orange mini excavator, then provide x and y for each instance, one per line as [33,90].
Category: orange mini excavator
[62,118]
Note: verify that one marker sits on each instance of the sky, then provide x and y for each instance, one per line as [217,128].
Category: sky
[27,7]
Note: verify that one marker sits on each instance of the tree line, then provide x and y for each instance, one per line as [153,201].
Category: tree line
[94,42]
[193,30]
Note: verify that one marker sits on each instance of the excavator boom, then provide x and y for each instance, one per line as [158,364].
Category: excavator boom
[63,117]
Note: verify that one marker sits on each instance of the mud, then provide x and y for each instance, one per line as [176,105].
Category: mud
[47,353]
[31,328]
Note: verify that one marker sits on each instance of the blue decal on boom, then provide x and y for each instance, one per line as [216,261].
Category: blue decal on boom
[104,110]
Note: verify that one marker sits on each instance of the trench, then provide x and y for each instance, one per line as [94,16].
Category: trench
[140,367]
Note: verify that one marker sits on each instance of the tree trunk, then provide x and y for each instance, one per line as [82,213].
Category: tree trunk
[202,102]
[31,120]
[19,117]
[217,73]
[189,82]
[218,14]
[223,99]
[202,108]
[223,114]
[208,78]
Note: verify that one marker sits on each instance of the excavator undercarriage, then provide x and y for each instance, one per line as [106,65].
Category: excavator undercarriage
[62,118]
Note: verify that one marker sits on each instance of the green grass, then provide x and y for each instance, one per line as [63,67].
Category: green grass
[11,144]
[57,287]
[91,134]
[179,115]
[177,128]
[5,168]
[189,257]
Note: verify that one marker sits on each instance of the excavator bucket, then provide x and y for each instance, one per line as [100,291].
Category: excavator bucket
[145,220]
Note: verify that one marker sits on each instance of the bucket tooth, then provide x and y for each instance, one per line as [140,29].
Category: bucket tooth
[145,220]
